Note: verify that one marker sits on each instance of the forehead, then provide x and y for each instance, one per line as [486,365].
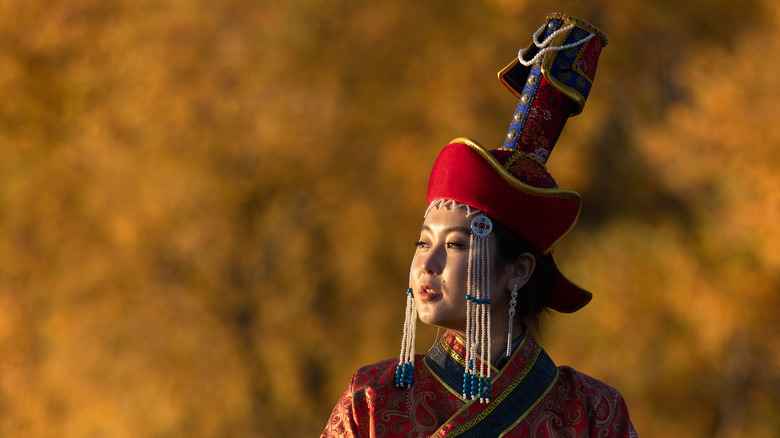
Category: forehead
[444,218]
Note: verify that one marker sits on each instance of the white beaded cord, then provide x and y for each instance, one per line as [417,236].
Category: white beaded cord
[474,339]
[412,318]
[451,205]
[478,314]
[469,320]
[479,341]
[481,316]
[484,313]
[405,336]
[410,328]
[549,37]
[544,48]
[487,358]
[404,345]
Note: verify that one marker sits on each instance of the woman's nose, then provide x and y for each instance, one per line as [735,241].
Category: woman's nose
[432,261]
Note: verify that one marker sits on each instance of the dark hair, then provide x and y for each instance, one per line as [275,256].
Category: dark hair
[532,299]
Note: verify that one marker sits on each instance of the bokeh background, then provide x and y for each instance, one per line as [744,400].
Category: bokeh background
[208,208]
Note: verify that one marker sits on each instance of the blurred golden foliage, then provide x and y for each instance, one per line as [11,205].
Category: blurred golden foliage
[209,208]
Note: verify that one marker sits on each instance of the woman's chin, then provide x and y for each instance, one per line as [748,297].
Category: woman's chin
[429,318]
[438,321]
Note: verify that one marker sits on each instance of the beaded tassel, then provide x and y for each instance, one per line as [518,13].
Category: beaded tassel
[404,372]
[477,376]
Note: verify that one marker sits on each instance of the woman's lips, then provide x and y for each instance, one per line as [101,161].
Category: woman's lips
[428,293]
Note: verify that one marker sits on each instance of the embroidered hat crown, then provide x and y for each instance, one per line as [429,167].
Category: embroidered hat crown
[552,79]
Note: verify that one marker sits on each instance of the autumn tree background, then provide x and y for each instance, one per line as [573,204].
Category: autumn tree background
[208,209]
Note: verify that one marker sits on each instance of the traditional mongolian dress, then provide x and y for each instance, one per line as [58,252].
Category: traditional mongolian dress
[531,397]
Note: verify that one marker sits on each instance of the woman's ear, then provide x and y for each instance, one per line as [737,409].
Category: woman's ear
[521,270]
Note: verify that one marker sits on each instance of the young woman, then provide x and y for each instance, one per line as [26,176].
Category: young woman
[484,271]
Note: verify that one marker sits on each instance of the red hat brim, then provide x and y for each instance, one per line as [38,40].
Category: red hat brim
[564,296]
[467,173]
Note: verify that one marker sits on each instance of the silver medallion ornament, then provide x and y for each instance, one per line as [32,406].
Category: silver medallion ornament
[481,226]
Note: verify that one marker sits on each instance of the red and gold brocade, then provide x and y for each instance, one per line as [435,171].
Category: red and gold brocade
[531,398]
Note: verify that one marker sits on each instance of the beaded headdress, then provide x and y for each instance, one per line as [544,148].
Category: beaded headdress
[552,79]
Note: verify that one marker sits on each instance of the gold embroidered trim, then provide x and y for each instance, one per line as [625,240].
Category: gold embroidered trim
[533,405]
[504,394]
[495,379]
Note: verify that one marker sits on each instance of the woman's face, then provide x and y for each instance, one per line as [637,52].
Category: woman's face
[440,269]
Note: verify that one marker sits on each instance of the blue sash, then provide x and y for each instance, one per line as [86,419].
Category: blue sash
[509,403]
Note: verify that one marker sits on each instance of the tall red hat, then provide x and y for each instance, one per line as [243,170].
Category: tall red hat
[552,78]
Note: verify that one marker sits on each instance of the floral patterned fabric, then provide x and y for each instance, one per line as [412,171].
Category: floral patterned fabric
[531,398]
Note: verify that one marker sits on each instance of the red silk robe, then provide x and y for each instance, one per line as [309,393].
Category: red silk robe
[531,397]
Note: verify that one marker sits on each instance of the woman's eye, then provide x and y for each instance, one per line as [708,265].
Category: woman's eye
[455,245]
[421,244]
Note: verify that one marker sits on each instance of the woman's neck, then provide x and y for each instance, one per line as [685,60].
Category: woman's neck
[498,338]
